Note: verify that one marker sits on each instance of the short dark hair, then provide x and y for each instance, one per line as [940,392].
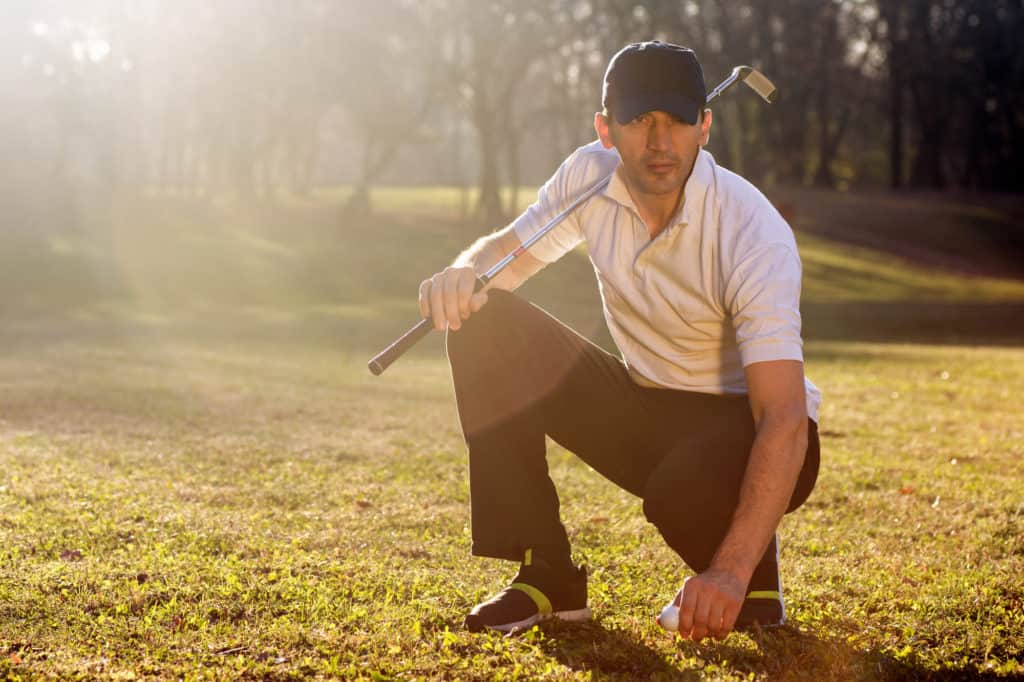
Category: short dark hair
[606,111]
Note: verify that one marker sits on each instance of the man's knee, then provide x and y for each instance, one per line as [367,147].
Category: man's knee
[691,538]
[484,325]
[690,507]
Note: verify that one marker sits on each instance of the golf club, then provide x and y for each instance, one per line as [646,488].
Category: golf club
[752,78]
[744,74]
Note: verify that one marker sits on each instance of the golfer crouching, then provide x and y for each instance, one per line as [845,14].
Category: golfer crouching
[707,416]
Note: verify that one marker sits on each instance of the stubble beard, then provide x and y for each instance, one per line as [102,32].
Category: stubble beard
[653,184]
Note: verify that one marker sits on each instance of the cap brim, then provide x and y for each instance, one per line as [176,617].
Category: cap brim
[680,106]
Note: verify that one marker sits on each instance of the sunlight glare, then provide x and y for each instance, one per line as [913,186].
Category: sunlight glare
[98,50]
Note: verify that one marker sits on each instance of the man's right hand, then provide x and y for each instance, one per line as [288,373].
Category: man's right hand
[447,298]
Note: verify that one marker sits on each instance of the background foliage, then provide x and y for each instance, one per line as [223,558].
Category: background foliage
[255,96]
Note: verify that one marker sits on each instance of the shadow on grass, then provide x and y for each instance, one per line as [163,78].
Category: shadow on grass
[792,653]
[789,653]
[604,652]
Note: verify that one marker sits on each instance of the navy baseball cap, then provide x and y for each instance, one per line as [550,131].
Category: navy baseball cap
[654,76]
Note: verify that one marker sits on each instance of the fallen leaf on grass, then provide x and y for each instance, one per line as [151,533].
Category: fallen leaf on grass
[363,504]
[228,650]
[906,490]
[15,658]
[414,553]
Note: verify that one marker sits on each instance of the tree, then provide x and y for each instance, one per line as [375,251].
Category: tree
[388,78]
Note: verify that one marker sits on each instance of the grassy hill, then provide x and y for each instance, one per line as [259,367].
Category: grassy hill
[212,263]
[199,478]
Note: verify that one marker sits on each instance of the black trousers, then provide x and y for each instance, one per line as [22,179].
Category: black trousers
[521,375]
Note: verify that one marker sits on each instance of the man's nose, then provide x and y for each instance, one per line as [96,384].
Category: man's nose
[658,137]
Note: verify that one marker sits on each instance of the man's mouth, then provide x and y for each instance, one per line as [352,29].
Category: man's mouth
[661,167]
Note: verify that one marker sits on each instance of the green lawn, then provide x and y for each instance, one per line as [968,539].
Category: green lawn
[200,479]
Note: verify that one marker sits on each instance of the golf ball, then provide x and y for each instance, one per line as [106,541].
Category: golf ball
[669,618]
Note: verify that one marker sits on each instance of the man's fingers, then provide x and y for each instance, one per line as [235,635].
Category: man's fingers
[425,298]
[447,297]
[701,617]
[465,291]
[730,614]
[451,301]
[437,301]
[687,606]
[715,626]
[709,605]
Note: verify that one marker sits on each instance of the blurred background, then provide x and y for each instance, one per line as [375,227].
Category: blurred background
[213,213]
[164,154]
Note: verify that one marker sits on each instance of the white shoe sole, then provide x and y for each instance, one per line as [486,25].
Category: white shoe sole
[577,616]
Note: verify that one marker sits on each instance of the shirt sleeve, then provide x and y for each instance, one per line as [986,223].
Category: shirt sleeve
[763,297]
[580,171]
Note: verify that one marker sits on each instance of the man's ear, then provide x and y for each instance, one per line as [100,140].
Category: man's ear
[705,128]
[602,124]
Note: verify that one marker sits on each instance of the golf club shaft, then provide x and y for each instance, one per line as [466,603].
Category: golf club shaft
[383,360]
[738,72]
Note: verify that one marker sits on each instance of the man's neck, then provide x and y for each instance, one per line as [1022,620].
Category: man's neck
[658,210]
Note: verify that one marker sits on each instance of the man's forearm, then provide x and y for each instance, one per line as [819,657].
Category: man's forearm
[480,254]
[487,251]
[774,466]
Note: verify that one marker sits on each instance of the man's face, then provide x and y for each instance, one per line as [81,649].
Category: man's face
[657,149]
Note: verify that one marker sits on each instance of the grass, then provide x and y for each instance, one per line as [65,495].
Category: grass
[199,479]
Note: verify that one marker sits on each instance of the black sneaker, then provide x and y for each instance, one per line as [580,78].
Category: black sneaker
[536,594]
[762,608]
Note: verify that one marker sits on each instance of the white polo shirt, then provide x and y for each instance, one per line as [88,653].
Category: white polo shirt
[716,290]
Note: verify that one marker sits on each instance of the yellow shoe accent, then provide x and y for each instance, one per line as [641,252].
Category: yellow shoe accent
[543,604]
[765,594]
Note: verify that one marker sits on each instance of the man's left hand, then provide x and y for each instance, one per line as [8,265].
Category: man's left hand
[709,604]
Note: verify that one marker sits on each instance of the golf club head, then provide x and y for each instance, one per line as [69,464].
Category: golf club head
[754,79]
[759,83]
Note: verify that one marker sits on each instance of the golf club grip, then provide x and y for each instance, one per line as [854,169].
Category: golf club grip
[383,360]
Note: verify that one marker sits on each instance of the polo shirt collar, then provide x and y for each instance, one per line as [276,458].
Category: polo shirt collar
[617,190]
[693,194]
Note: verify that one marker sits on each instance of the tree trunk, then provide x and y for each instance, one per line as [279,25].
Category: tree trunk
[933,123]
[512,141]
[896,62]
[488,206]
[895,123]
[358,207]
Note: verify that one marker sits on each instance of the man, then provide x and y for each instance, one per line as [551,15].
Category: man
[707,417]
